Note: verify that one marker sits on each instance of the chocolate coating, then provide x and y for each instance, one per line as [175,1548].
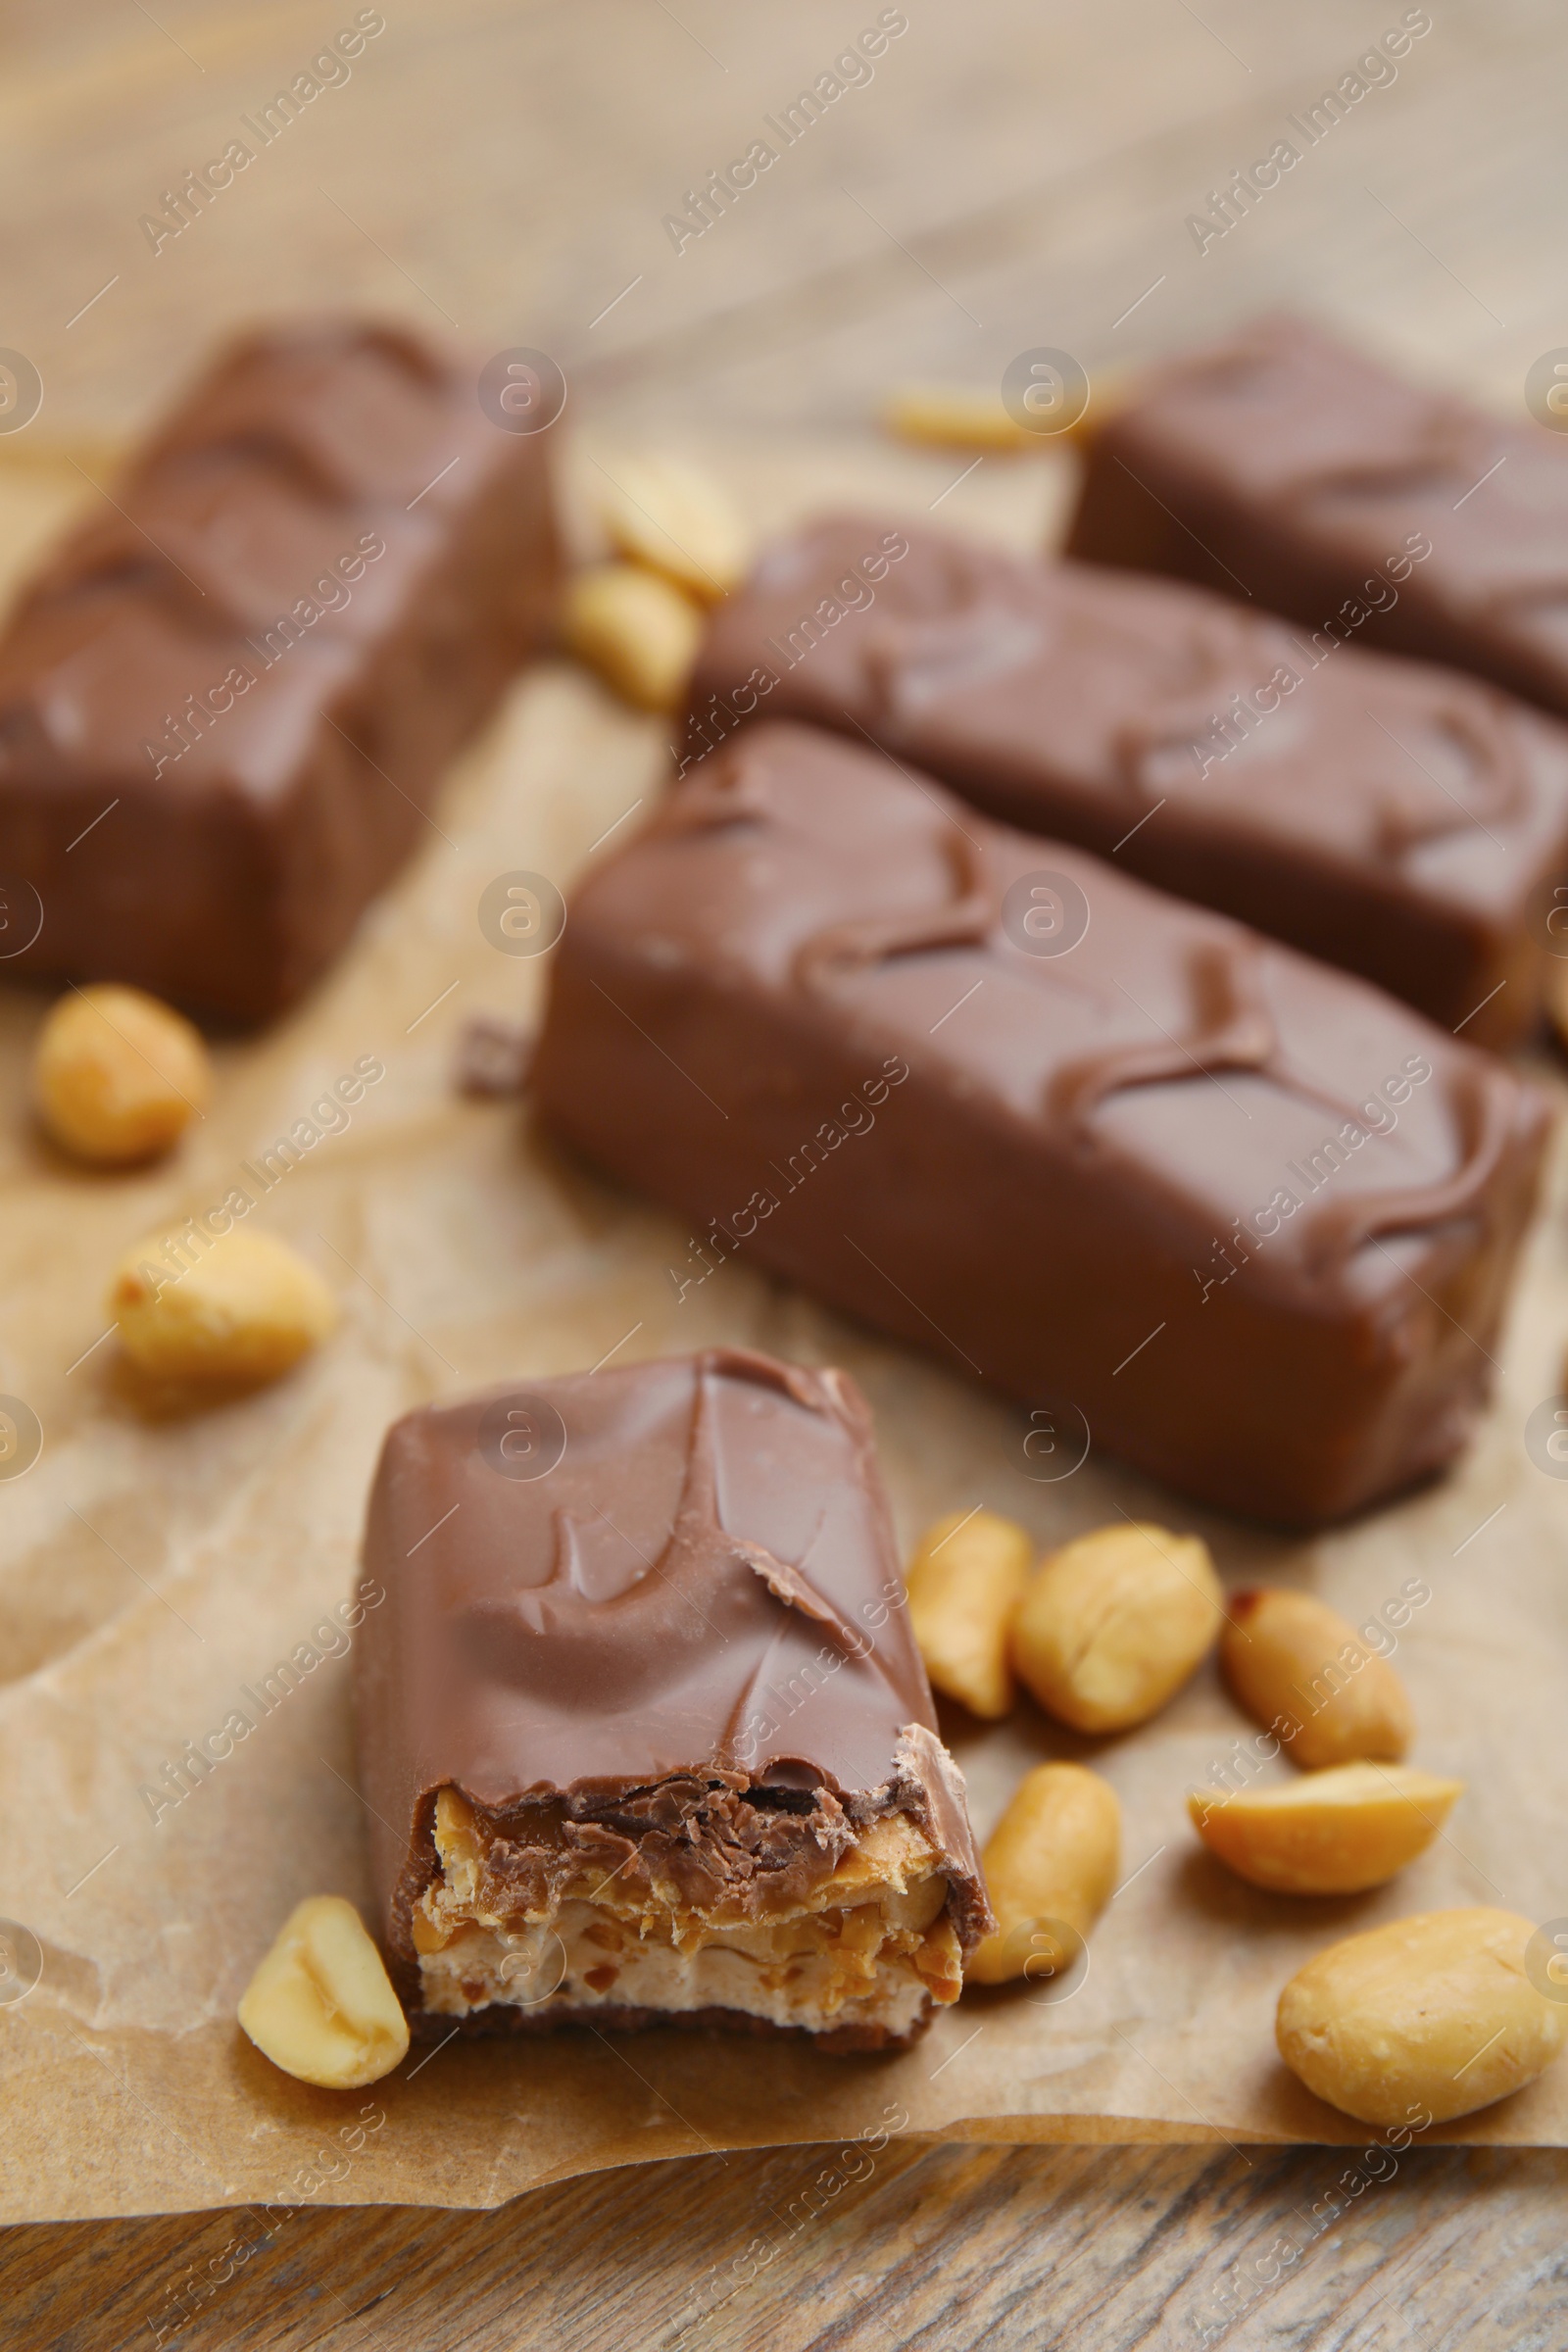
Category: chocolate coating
[1253,1218]
[312,586]
[688,1628]
[1395,819]
[1292,469]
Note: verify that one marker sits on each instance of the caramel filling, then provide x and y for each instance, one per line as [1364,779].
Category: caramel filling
[871,1944]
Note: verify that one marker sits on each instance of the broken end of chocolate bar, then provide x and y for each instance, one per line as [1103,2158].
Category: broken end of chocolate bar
[725,1903]
[648,1703]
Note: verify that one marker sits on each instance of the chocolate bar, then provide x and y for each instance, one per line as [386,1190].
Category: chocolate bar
[644,1733]
[226,701]
[1289,469]
[1247,1220]
[1401,821]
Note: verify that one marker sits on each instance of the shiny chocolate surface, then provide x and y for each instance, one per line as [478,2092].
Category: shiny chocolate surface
[1396,819]
[660,1600]
[1250,1219]
[227,701]
[1296,471]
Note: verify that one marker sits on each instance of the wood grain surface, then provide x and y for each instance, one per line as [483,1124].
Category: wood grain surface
[1015,173]
[1014,2249]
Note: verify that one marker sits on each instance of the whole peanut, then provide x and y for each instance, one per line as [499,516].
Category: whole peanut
[1433,2016]
[954,416]
[245,1309]
[1051,1865]
[1294,1664]
[117,1076]
[1113,1624]
[674,518]
[640,633]
[965,1581]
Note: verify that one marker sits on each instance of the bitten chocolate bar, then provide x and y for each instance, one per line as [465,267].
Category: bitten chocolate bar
[644,1733]
[1398,820]
[1248,1220]
[1289,469]
[225,704]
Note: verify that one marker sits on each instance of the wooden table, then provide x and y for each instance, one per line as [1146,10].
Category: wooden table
[953,2247]
[1013,173]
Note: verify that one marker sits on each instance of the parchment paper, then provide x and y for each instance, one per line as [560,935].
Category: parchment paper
[156,1561]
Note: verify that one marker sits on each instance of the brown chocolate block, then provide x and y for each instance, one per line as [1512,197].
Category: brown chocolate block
[1252,1219]
[1401,821]
[227,701]
[644,1733]
[1289,469]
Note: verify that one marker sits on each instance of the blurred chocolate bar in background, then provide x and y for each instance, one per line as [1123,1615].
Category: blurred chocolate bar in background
[1294,471]
[227,703]
[1402,821]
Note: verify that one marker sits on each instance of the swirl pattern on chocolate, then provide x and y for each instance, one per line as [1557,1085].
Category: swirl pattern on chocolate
[1377,814]
[816,1031]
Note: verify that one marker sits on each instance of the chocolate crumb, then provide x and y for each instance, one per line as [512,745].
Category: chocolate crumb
[494,1059]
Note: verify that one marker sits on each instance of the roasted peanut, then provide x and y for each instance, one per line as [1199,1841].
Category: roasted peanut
[1113,1624]
[953,417]
[1432,2015]
[1328,1832]
[117,1075]
[965,1581]
[637,631]
[676,519]
[1049,1866]
[1295,1665]
[321,2005]
[245,1311]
